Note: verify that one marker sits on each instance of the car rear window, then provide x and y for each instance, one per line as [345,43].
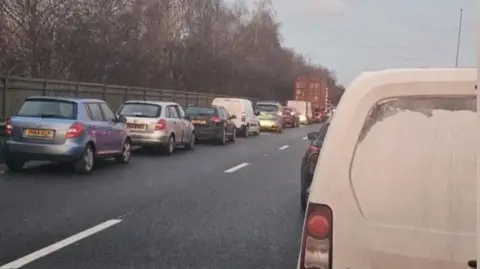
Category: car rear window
[267,108]
[415,164]
[288,110]
[42,108]
[140,110]
[203,111]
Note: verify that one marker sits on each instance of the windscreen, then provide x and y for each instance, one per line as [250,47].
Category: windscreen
[200,111]
[43,108]
[415,164]
[267,108]
[233,107]
[140,110]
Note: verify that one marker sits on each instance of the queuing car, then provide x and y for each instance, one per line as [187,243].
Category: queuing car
[271,116]
[397,184]
[309,162]
[212,123]
[245,113]
[319,115]
[65,130]
[159,125]
[304,110]
[290,117]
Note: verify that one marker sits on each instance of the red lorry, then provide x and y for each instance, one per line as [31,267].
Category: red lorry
[313,89]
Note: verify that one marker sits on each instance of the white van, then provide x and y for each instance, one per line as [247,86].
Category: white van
[395,184]
[246,115]
[304,110]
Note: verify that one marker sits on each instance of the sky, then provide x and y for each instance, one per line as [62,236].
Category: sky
[352,36]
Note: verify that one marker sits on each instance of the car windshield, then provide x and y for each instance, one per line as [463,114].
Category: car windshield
[140,110]
[267,108]
[202,111]
[57,109]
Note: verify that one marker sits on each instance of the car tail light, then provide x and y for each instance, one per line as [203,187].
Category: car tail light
[216,119]
[317,235]
[9,126]
[243,116]
[292,113]
[160,125]
[75,130]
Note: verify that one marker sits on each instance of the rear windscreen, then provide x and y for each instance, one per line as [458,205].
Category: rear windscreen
[57,109]
[201,111]
[287,110]
[415,164]
[267,108]
[140,110]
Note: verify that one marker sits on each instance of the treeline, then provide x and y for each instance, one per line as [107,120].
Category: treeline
[194,45]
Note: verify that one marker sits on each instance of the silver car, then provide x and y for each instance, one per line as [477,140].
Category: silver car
[158,124]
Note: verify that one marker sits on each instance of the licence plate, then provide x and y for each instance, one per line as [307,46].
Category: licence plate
[39,133]
[199,122]
[133,126]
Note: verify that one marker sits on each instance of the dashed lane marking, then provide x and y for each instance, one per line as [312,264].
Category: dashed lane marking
[59,245]
[305,137]
[235,168]
[283,147]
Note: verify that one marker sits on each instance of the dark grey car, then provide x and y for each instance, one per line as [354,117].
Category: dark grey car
[212,123]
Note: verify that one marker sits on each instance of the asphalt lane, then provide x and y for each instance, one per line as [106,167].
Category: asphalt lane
[176,210]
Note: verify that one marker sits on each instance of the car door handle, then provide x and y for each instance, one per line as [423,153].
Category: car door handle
[472,263]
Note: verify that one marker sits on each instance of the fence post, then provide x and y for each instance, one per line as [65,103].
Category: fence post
[125,95]
[77,89]
[105,92]
[144,94]
[45,87]
[198,99]
[186,100]
[174,96]
[161,95]
[4,103]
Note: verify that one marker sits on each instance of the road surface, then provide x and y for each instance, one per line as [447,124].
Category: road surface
[234,206]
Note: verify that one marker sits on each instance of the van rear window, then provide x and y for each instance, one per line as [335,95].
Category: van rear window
[415,164]
[267,108]
[45,108]
[143,110]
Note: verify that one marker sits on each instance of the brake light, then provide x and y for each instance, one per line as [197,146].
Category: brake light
[75,130]
[160,125]
[279,114]
[216,119]
[243,116]
[317,235]
[9,126]
[313,149]
[292,113]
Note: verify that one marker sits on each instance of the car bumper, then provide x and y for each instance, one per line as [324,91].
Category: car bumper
[270,125]
[149,139]
[208,132]
[43,152]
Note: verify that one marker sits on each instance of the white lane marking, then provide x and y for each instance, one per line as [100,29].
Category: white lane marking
[233,169]
[305,137]
[59,245]
[265,154]
[266,134]
[283,147]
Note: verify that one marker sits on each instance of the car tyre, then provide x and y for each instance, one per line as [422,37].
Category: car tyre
[223,140]
[85,164]
[14,165]
[170,147]
[191,144]
[126,155]
[245,130]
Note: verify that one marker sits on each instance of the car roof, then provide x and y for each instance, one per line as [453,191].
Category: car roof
[66,99]
[268,103]
[160,103]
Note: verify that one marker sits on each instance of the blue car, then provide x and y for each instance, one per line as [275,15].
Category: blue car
[66,130]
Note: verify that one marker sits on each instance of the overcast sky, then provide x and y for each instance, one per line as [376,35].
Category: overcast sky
[351,36]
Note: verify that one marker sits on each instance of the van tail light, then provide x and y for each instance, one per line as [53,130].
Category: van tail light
[280,114]
[75,130]
[160,125]
[243,117]
[216,119]
[9,127]
[313,149]
[317,235]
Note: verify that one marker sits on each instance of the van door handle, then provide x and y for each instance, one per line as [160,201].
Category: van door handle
[472,263]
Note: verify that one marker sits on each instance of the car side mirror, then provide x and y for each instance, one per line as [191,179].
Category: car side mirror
[232,117]
[121,119]
[257,113]
[312,136]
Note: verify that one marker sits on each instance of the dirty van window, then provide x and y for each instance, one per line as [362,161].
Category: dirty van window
[414,164]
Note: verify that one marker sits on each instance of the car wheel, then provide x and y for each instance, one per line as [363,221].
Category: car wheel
[245,131]
[86,162]
[191,143]
[223,139]
[14,165]
[233,137]
[170,147]
[126,154]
